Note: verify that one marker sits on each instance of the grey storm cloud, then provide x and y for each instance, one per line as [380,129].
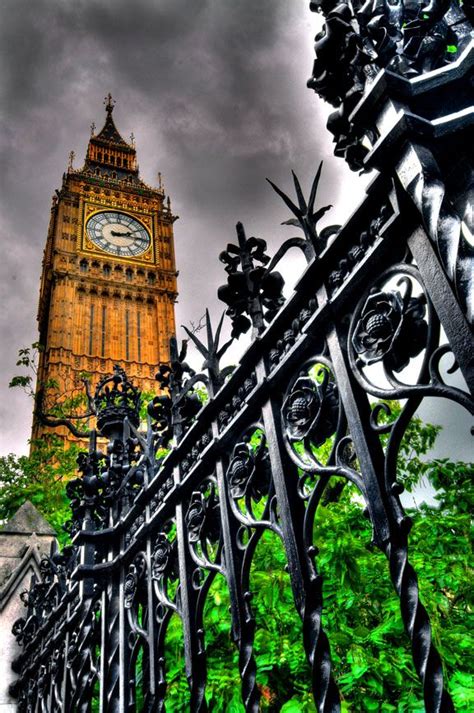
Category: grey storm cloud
[215,94]
[214,91]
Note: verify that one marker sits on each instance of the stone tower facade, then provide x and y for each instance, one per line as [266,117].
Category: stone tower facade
[108,284]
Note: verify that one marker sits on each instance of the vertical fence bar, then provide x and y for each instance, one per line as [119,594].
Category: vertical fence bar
[193,639]
[243,624]
[390,530]
[149,474]
[306,590]
[445,303]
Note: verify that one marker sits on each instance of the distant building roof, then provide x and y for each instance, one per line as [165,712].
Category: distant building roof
[27,520]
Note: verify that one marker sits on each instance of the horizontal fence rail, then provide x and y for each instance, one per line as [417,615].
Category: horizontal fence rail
[159,514]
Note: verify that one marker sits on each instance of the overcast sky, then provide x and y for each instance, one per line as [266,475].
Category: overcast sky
[215,94]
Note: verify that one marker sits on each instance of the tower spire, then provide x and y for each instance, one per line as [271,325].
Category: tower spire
[109,104]
[108,151]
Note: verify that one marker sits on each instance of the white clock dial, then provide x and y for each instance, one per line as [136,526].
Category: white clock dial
[118,234]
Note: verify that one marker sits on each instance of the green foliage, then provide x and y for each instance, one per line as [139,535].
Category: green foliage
[361,615]
[371,652]
[58,400]
[413,468]
[24,382]
[146,397]
[40,478]
[27,359]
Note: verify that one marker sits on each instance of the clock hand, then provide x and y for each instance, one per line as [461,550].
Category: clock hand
[115,234]
[127,235]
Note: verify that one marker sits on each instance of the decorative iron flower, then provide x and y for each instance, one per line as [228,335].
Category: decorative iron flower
[390,329]
[46,570]
[55,662]
[249,471]
[160,410]
[311,410]
[41,681]
[202,518]
[25,597]
[239,472]
[18,629]
[190,406]
[161,555]
[130,586]
[196,516]
[73,648]
[251,285]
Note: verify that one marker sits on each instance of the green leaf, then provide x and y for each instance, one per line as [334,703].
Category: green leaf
[291,706]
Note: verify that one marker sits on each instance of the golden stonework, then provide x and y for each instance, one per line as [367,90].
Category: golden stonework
[107,294]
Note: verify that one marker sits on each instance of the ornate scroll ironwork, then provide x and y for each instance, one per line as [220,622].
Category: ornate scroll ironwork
[162,512]
[399,76]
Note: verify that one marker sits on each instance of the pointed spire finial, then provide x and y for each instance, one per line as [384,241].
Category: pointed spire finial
[72,156]
[109,104]
[132,139]
[161,183]
[92,128]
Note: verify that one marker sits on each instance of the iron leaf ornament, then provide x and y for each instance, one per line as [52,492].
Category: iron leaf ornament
[202,517]
[212,352]
[175,409]
[306,218]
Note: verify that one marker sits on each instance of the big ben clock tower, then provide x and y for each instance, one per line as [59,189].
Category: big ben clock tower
[108,282]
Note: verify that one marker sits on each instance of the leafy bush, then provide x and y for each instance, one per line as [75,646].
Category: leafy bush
[370,650]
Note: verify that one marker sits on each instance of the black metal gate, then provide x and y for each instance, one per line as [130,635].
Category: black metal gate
[382,301]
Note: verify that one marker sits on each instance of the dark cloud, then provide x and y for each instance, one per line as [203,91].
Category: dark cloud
[215,93]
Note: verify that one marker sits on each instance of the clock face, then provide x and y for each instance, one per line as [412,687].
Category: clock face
[118,234]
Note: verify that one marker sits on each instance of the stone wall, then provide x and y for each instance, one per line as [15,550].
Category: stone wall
[23,541]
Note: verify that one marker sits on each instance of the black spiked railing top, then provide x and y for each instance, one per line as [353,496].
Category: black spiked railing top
[175,408]
[253,292]
[306,217]
[323,392]
[212,351]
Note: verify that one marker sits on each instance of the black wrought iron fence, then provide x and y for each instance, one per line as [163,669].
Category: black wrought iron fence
[366,322]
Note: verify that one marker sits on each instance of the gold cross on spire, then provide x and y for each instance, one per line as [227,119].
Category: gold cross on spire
[109,103]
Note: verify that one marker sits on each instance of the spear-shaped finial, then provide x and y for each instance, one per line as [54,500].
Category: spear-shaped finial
[211,351]
[306,217]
